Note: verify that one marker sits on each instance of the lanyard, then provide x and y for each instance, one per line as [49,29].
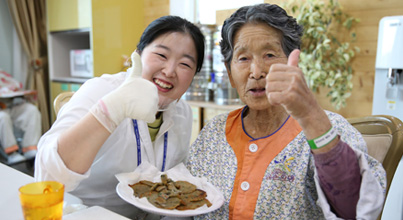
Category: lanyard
[136,133]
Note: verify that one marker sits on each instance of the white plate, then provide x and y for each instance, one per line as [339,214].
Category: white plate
[214,196]
[146,171]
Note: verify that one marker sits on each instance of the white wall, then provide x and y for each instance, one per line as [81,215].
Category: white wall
[183,8]
[204,11]
[12,57]
[6,38]
[207,8]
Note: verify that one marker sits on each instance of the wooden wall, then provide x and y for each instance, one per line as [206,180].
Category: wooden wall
[370,13]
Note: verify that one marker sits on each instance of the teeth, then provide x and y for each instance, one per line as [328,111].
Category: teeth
[162,84]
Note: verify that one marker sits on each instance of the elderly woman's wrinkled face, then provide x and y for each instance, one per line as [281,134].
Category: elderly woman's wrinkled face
[256,48]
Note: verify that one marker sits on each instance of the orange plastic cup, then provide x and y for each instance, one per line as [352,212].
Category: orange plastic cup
[42,200]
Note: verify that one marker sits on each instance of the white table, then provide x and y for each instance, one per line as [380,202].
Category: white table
[94,213]
[11,180]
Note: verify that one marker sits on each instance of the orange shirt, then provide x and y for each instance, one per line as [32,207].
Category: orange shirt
[253,156]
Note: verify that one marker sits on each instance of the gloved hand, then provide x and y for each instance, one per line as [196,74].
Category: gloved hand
[136,98]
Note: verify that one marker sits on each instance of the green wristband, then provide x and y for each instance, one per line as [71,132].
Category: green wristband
[323,140]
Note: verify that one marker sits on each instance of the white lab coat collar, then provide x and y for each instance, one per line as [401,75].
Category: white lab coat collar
[167,119]
[147,146]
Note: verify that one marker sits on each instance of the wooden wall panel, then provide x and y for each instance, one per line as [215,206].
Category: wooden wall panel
[221,15]
[367,48]
[365,5]
[370,13]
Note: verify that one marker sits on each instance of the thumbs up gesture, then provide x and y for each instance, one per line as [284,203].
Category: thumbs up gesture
[136,98]
[286,86]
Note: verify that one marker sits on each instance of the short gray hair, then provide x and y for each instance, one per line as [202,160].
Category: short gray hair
[272,15]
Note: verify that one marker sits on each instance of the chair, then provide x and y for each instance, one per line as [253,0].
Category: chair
[61,99]
[384,137]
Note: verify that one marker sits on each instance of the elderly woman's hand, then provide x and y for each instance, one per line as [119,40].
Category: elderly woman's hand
[286,86]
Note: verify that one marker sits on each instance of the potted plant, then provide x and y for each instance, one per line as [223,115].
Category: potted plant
[326,53]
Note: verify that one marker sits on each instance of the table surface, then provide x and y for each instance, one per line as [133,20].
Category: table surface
[94,213]
[203,104]
[18,93]
[11,181]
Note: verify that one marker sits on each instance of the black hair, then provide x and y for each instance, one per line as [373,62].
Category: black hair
[272,15]
[168,24]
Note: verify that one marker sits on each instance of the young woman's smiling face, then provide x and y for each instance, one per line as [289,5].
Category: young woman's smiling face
[170,62]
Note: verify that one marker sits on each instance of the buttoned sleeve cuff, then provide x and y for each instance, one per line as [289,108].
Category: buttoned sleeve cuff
[371,197]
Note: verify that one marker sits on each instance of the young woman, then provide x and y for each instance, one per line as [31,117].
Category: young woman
[113,122]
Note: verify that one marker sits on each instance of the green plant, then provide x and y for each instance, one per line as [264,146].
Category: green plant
[325,55]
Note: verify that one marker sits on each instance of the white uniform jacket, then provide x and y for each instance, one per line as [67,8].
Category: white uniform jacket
[119,152]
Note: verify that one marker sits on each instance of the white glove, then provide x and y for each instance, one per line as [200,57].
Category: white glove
[136,98]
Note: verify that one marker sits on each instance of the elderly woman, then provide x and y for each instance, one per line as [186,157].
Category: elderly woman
[281,156]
